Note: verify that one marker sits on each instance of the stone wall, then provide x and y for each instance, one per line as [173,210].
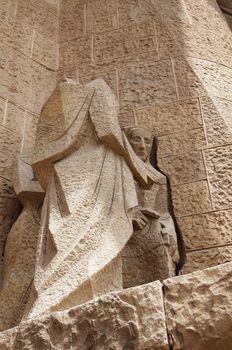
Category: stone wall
[169,63]
[28,65]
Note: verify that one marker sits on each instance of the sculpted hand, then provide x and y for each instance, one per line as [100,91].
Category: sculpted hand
[139,220]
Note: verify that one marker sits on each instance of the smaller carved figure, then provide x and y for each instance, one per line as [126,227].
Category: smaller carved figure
[152,251]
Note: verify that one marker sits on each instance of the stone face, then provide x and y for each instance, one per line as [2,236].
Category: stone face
[198,309]
[131,319]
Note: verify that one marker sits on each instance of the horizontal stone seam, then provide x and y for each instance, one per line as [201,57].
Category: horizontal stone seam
[204,212]
[209,247]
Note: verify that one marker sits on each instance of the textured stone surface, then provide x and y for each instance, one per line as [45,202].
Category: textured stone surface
[191,198]
[202,231]
[131,319]
[219,168]
[184,168]
[198,309]
[201,259]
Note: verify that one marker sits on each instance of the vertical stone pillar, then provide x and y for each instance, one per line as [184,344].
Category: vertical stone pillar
[169,63]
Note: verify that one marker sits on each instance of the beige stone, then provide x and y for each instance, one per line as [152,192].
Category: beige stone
[146,85]
[171,118]
[45,51]
[131,319]
[120,43]
[198,309]
[184,168]
[182,142]
[205,230]
[192,198]
[219,168]
[212,256]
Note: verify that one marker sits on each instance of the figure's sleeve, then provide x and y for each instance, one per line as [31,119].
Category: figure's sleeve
[104,115]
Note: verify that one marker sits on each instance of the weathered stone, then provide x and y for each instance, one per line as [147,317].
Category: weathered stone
[198,309]
[10,144]
[219,169]
[201,259]
[45,51]
[131,319]
[191,198]
[217,118]
[146,85]
[15,119]
[75,52]
[206,230]
[184,168]
[130,41]
[171,118]
[182,142]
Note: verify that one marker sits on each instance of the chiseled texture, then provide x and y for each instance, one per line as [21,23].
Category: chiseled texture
[198,309]
[132,320]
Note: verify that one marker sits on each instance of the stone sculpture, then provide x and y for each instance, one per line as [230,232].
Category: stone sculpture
[87,167]
[21,244]
[152,250]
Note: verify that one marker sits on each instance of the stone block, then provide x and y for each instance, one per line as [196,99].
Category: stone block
[202,259]
[10,144]
[130,319]
[135,12]
[29,133]
[217,118]
[198,309]
[72,26]
[146,85]
[188,83]
[14,119]
[216,78]
[76,52]
[171,118]
[2,109]
[191,198]
[219,169]
[24,81]
[184,168]
[206,230]
[100,8]
[102,24]
[38,17]
[45,51]
[181,142]
[18,35]
[129,41]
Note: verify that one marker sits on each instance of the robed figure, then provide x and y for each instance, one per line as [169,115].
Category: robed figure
[87,168]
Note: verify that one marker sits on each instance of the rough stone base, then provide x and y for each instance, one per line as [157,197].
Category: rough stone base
[198,314]
[131,319]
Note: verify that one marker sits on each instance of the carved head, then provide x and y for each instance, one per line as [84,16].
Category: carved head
[141,141]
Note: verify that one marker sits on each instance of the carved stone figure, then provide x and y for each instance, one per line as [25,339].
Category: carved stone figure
[87,167]
[21,244]
[152,251]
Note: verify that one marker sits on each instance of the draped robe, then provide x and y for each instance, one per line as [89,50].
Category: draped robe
[86,166]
